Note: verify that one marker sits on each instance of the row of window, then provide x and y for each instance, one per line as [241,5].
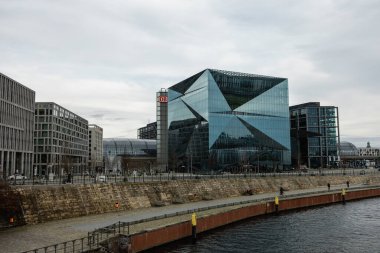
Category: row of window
[15,116]
[16,93]
[16,139]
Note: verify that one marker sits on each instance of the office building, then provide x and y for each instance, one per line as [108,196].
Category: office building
[162,129]
[148,132]
[222,120]
[60,140]
[16,128]
[315,135]
[95,148]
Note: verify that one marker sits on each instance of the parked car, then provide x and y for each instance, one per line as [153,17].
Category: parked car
[17,177]
[101,178]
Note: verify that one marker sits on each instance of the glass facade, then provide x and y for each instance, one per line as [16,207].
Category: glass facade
[137,150]
[128,147]
[314,135]
[220,120]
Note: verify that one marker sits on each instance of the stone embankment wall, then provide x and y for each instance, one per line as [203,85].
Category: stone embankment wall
[10,207]
[46,203]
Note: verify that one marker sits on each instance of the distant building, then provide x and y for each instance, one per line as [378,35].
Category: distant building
[222,120]
[315,135]
[148,132]
[347,150]
[95,147]
[162,129]
[126,155]
[369,152]
[60,140]
[16,128]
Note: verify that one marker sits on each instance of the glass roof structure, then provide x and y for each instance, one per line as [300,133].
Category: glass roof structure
[128,147]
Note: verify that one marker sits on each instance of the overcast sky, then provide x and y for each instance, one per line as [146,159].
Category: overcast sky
[104,60]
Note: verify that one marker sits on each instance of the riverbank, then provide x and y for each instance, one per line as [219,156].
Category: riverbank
[156,237]
[39,204]
[211,214]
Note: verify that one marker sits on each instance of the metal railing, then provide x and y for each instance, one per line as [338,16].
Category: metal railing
[160,177]
[74,246]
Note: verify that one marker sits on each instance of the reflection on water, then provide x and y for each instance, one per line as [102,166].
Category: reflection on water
[354,227]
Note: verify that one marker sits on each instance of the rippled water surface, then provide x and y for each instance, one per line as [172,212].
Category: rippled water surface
[354,227]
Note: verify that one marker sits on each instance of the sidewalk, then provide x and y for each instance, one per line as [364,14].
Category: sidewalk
[29,237]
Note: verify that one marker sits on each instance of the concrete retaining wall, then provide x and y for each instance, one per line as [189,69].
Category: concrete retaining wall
[149,239]
[46,203]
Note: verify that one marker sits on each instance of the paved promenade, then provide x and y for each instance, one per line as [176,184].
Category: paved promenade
[28,237]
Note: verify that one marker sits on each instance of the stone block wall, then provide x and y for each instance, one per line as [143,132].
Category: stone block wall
[46,203]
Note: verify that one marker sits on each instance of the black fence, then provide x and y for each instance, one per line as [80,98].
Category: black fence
[86,179]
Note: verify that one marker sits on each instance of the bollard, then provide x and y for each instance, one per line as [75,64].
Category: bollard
[194,227]
[276,203]
[343,196]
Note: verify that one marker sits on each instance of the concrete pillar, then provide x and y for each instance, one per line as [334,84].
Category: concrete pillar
[7,168]
[13,163]
[22,163]
[2,169]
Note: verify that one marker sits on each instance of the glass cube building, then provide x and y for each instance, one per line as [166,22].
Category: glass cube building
[219,120]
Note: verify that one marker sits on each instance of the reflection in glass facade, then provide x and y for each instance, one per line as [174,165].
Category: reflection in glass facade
[220,120]
[113,147]
[314,135]
[116,148]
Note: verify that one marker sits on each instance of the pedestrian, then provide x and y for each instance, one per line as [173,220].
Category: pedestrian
[348,184]
[328,186]
[281,191]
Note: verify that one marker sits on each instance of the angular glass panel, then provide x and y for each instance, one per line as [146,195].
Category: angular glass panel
[272,102]
[216,100]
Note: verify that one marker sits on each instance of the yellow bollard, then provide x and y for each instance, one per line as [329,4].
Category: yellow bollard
[193,219]
[194,227]
[276,203]
[343,196]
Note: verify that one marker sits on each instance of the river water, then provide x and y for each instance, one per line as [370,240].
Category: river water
[354,227]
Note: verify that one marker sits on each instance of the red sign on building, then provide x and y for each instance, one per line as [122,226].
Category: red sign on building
[163,99]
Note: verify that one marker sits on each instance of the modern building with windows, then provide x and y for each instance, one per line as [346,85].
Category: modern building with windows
[315,137]
[219,120]
[60,140]
[148,132]
[16,128]
[95,148]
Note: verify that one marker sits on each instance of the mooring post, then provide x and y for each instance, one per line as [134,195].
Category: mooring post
[276,203]
[343,196]
[194,227]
